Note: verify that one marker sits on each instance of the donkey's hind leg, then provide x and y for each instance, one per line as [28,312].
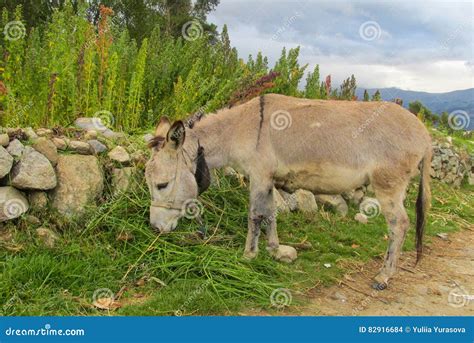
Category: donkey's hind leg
[391,202]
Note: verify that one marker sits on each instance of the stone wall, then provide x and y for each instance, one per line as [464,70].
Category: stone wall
[65,169]
[451,166]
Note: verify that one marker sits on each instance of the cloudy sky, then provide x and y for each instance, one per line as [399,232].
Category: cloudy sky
[414,45]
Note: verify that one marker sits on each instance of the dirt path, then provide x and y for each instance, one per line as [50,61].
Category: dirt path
[447,268]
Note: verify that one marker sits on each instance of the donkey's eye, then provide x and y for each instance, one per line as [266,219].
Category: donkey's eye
[162,185]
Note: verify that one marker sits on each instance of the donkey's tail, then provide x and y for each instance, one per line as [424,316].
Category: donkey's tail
[423,202]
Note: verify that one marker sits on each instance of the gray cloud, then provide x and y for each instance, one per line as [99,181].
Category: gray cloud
[425,45]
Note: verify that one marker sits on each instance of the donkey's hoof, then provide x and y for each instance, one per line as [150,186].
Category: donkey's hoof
[380,281]
[250,255]
[379,286]
[284,253]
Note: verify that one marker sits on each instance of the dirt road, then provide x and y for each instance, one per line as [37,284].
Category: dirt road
[442,284]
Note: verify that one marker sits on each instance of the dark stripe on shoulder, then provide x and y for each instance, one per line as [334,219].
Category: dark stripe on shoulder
[262,108]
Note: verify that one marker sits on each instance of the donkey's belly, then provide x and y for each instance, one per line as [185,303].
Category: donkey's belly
[327,179]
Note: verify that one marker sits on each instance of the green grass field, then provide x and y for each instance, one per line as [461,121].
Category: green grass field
[183,272]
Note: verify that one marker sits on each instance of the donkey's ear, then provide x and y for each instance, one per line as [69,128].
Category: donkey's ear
[176,134]
[162,127]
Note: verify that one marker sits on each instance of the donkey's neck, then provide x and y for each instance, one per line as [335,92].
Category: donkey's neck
[215,134]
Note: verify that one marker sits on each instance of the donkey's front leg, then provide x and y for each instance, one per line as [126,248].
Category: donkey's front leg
[262,215]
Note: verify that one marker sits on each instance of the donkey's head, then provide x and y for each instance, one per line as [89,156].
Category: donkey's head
[174,175]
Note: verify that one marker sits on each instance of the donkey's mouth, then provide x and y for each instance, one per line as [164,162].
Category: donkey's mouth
[163,229]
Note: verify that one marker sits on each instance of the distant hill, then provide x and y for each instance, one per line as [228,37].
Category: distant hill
[436,102]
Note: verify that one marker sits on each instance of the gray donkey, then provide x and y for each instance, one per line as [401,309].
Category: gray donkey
[323,146]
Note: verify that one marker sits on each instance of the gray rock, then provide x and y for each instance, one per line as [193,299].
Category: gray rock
[97,147]
[305,201]
[87,124]
[32,220]
[82,148]
[280,204]
[339,296]
[361,218]
[59,143]
[139,158]
[121,179]
[112,135]
[358,196]
[38,200]
[6,162]
[290,200]
[47,236]
[30,133]
[12,203]
[42,132]
[4,139]
[91,134]
[442,235]
[15,148]
[33,171]
[44,146]
[119,154]
[284,253]
[80,182]
[335,201]
[348,195]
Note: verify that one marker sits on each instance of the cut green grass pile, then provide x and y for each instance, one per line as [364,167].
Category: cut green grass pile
[114,248]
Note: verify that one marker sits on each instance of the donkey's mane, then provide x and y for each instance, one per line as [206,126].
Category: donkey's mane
[255,89]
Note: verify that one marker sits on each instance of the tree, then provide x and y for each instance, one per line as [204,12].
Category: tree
[348,88]
[139,16]
[416,107]
[444,121]
[38,12]
[376,96]
[366,95]
[290,73]
[312,90]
